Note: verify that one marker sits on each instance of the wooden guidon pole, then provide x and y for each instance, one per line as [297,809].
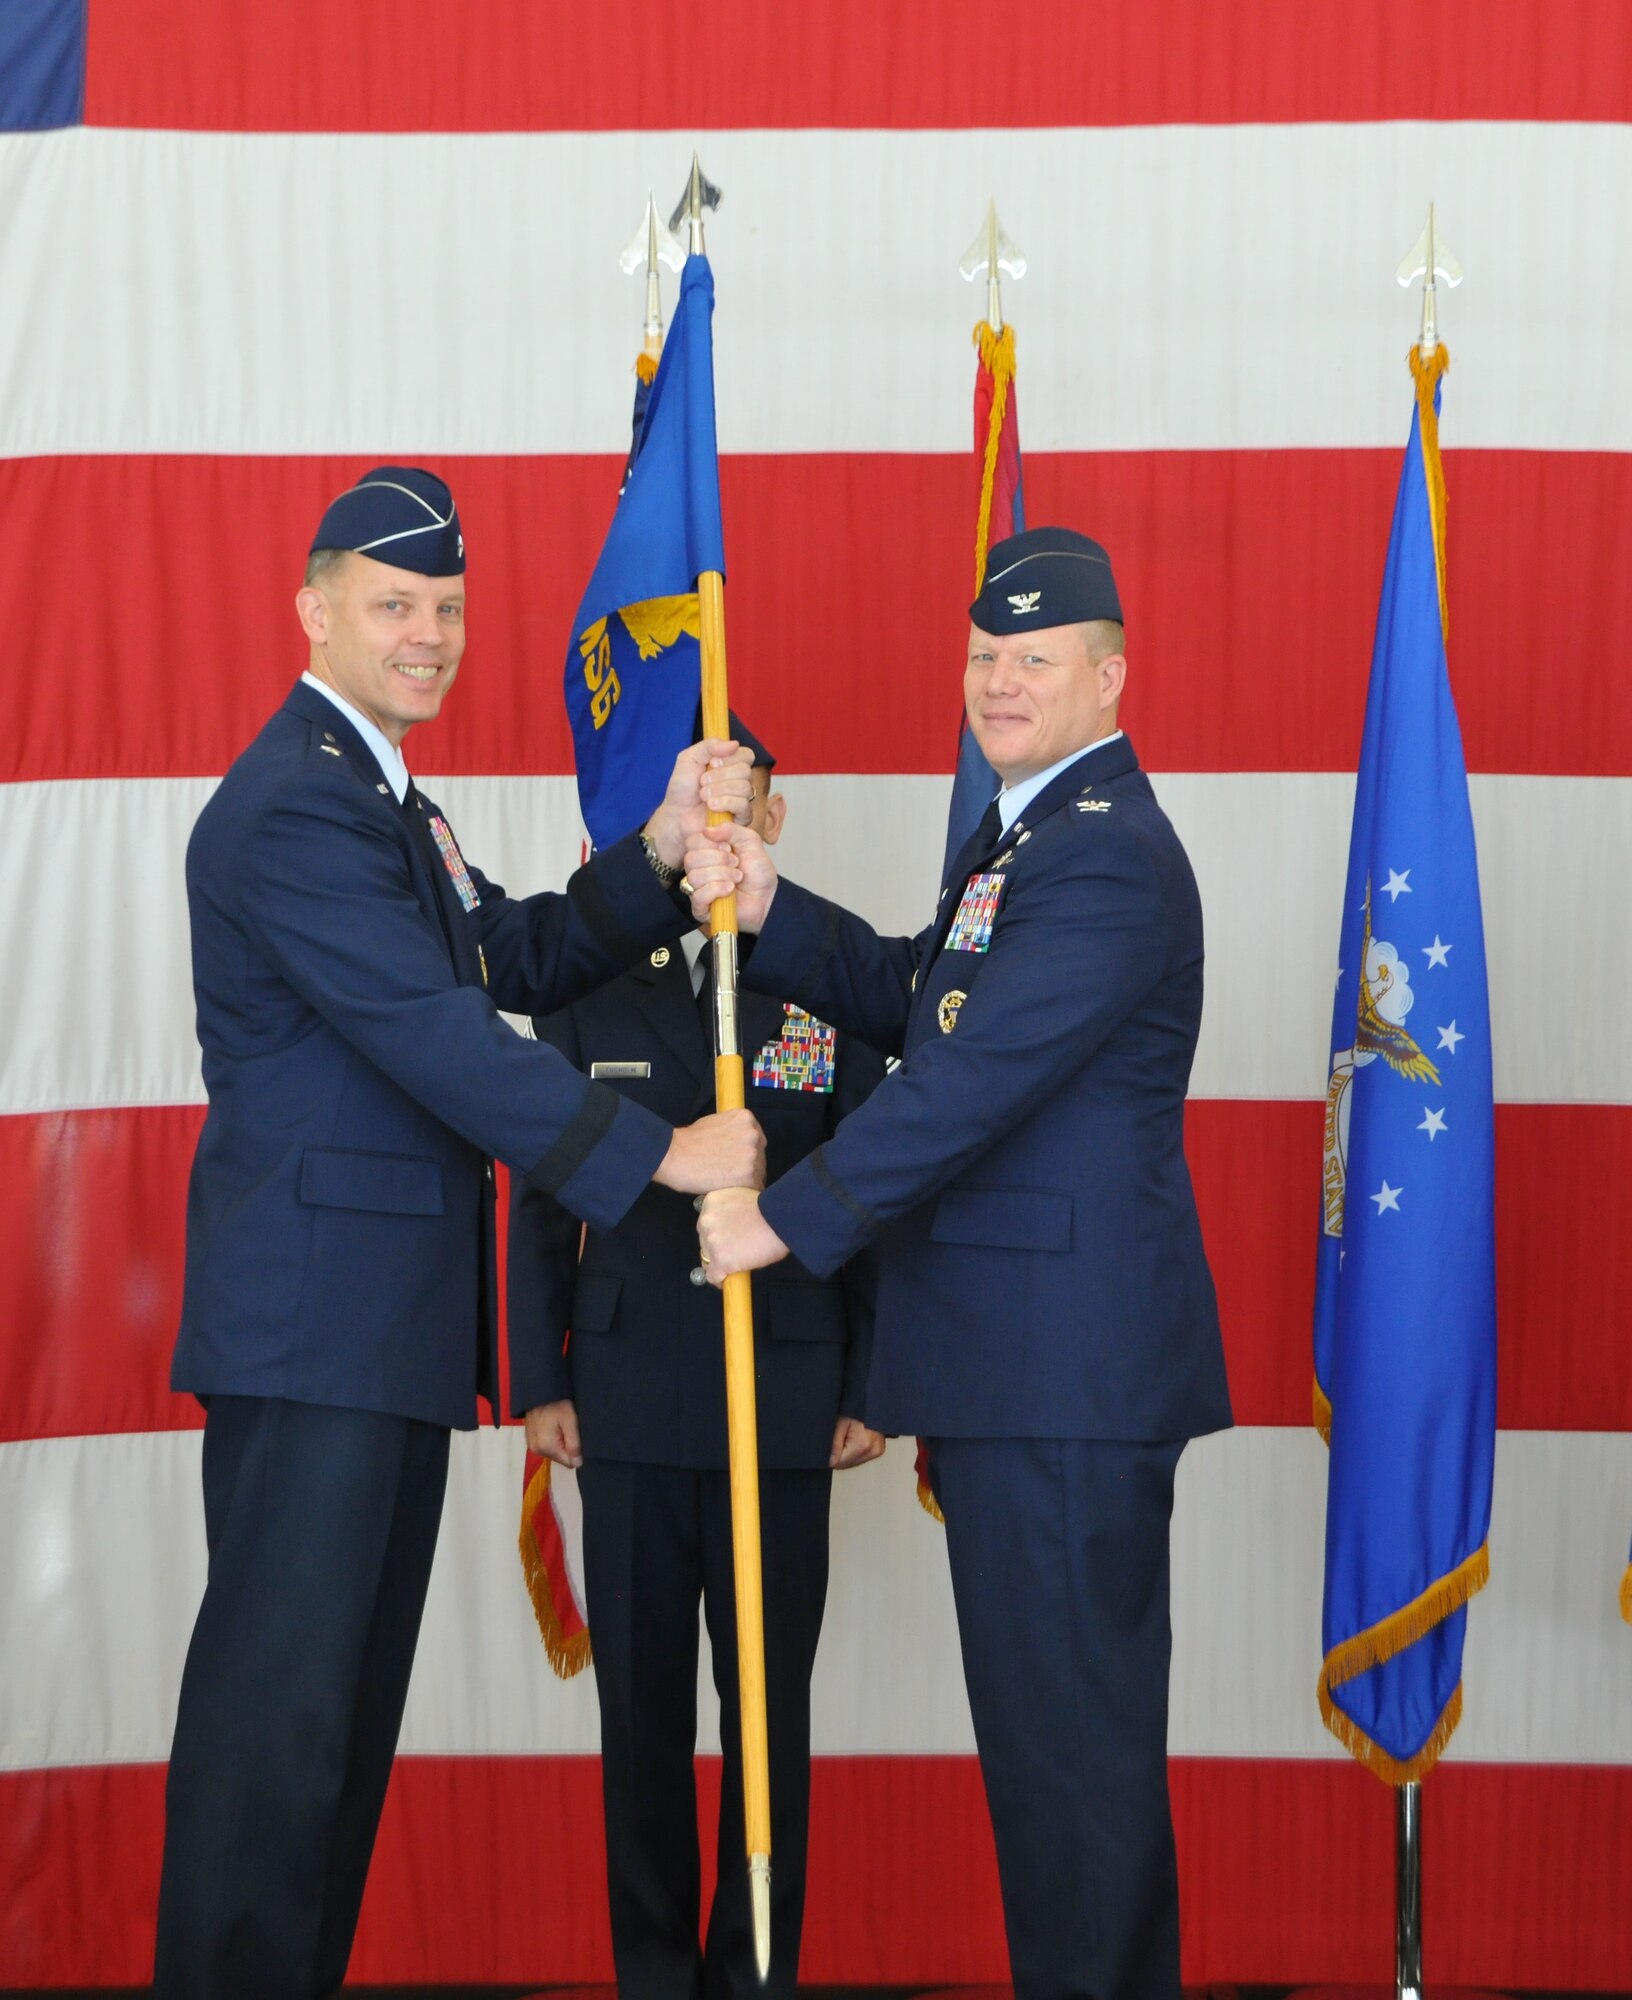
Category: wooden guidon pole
[741,1410]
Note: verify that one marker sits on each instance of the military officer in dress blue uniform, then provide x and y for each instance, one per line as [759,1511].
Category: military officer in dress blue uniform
[1046,1318]
[636,1402]
[338,1316]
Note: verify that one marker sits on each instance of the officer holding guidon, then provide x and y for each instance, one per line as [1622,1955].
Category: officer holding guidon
[1046,1318]
[339,1310]
[636,1402]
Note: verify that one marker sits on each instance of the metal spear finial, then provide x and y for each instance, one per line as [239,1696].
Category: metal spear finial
[993,253]
[1430,257]
[650,246]
[700,194]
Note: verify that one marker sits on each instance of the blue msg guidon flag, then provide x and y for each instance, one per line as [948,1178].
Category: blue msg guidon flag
[1405,1308]
[633,664]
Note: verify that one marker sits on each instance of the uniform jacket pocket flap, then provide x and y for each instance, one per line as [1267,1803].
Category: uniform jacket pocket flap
[798,1306]
[595,1301]
[1004,1218]
[389,1182]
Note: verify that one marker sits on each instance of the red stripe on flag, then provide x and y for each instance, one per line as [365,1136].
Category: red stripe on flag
[91,1237]
[492,1870]
[399,65]
[91,1241]
[1250,581]
[1563,1256]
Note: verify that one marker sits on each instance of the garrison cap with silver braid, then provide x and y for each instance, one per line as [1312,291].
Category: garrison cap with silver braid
[1047,576]
[401,515]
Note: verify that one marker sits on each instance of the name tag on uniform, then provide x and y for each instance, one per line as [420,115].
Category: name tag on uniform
[801,1058]
[608,1072]
[972,926]
[454,861]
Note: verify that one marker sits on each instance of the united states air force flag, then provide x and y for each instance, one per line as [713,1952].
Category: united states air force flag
[633,666]
[1405,1316]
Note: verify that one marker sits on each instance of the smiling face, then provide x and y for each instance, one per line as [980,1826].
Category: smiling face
[1034,698]
[387,640]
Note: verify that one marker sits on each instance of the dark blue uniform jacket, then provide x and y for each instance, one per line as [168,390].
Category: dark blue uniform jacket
[1041,1265]
[340,1226]
[646,1363]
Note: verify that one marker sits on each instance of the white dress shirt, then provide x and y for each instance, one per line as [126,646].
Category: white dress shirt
[389,757]
[1013,799]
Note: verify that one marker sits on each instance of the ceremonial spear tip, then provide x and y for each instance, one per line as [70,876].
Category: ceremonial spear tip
[993,253]
[1430,257]
[759,1887]
[650,246]
[700,194]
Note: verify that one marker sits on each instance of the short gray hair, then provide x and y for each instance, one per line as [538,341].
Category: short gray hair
[321,561]
[1102,637]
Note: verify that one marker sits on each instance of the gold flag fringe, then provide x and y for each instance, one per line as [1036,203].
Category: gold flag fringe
[1323,1413]
[1378,1644]
[932,1507]
[1376,1759]
[1426,375]
[568,1656]
[1626,1595]
[997,358]
[646,367]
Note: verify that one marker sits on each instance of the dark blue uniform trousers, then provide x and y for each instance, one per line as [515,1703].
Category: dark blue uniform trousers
[656,1538]
[321,1526]
[1059,1554]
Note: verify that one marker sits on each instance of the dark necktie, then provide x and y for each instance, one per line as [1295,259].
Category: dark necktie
[990,829]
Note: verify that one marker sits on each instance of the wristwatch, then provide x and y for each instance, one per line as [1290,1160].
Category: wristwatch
[667,874]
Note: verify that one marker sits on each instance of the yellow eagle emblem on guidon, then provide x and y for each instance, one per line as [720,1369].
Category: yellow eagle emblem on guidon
[1379,1030]
[655,624]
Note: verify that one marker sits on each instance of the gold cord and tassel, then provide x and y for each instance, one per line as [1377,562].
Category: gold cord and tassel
[569,1653]
[997,358]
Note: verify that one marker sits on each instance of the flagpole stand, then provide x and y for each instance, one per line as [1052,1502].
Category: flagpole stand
[1407,1917]
[1408,1892]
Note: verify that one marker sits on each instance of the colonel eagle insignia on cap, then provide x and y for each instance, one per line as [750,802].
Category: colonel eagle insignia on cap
[1074,572]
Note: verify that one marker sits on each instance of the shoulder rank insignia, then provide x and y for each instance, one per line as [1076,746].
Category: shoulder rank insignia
[947,1011]
[801,1057]
[1093,805]
[977,913]
[329,750]
[454,862]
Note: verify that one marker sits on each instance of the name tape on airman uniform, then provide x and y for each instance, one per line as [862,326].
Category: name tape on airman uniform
[801,1058]
[604,1072]
[454,861]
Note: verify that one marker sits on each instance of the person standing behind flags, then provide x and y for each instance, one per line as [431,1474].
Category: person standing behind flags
[1046,1318]
[636,1403]
[338,1312]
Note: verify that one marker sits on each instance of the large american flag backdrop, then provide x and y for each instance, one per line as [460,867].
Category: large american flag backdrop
[263,247]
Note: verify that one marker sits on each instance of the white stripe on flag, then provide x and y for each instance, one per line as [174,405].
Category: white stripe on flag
[1190,287]
[1268,848]
[95,1614]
